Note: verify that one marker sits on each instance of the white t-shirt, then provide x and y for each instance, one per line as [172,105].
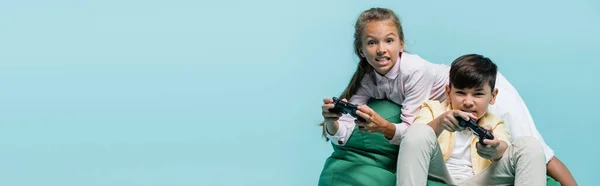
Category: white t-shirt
[459,163]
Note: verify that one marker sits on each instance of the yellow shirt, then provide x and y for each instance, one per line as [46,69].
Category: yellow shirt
[432,109]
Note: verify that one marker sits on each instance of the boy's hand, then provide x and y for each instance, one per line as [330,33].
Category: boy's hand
[374,122]
[492,149]
[449,121]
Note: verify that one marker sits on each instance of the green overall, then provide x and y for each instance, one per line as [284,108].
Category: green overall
[367,158]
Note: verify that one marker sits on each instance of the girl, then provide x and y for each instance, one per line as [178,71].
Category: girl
[386,71]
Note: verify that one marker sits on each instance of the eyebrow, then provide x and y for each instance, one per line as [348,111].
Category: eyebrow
[477,89]
[391,33]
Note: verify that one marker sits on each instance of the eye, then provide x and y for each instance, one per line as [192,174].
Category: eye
[370,42]
[390,40]
[460,92]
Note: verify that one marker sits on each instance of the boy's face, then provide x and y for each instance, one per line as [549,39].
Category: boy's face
[381,45]
[474,100]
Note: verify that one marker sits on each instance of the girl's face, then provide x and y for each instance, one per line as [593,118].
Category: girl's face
[381,45]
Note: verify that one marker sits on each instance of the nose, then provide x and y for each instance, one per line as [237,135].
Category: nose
[381,49]
[468,102]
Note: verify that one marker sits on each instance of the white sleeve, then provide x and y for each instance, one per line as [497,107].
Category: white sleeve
[346,123]
[512,109]
[417,90]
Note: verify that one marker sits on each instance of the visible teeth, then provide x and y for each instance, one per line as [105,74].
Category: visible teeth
[381,59]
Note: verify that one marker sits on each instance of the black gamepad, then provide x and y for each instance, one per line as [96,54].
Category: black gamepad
[479,131]
[345,108]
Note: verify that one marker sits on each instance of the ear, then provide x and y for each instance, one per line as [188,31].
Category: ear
[401,46]
[362,54]
[494,94]
[448,93]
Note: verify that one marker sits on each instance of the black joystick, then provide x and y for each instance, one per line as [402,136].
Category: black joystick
[345,108]
[479,131]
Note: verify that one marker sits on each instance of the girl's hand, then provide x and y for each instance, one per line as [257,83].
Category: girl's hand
[374,122]
[330,117]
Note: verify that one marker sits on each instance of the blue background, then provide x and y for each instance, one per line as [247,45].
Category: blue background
[228,92]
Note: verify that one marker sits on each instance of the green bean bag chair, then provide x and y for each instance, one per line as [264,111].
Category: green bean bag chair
[367,158]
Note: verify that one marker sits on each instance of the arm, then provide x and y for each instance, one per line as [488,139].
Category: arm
[340,131]
[557,170]
[500,132]
[417,90]
[446,121]
[494,149]
[515,114]
[520,123]
[425,117]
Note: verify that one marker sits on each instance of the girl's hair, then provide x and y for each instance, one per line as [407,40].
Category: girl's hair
[370,15]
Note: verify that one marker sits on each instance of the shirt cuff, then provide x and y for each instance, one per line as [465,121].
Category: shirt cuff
[339,138]
[549,153]
[400,130]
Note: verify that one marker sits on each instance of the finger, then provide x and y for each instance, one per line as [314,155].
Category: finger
[446,124]
[331,115]
[363,115]
[492,143]
[371,125]
[327,100]
[485,149]
[327,106]
[482,147]
[488,151]
[478,146]
[458,113]
[462,115]
[361,123]
[482,150]
[345,100]
[472,116]
[468,116]
[365,109]
[448,128]
[453,122]
[481,153]
[488,127]
[485,156]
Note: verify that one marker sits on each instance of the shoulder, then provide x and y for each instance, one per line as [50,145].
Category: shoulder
[433,103]
[492,120]
[368,81]
[412,63]
[434,106]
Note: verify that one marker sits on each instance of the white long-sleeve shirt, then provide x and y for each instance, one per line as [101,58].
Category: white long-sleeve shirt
[414,80]
[410,82]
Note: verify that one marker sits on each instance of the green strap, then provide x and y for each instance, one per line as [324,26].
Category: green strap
[366,158]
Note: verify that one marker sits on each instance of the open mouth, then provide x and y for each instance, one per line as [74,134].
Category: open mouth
[382,60]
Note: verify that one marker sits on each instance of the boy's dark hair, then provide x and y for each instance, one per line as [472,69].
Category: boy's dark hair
[472,70]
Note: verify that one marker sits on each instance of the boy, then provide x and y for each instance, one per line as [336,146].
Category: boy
[457,157]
